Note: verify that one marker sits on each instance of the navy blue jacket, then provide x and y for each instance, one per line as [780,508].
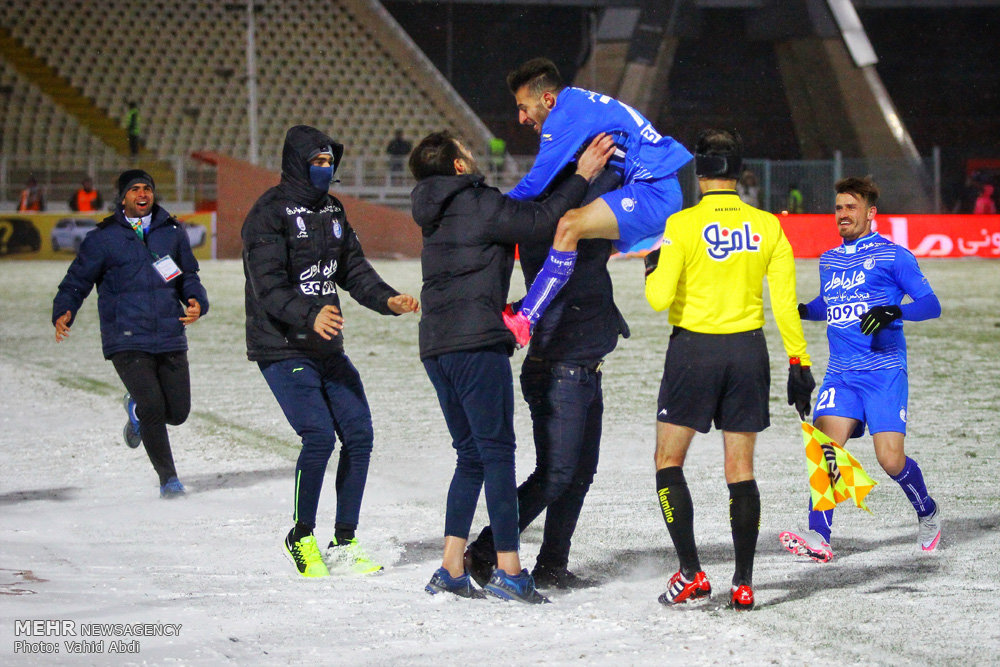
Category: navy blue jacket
[138,310]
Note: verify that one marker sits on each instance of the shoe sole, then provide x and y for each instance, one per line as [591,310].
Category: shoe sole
[507,597]
[933,545]
[694,598]
[738,606]
[501,594]
[798,547]
[473,594]
[125,434]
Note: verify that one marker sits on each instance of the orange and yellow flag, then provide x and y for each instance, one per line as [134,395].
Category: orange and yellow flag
[834,475]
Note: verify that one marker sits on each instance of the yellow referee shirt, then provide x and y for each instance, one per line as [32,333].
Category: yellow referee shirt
[713,261]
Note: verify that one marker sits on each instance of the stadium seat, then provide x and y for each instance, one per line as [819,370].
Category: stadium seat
[293,85]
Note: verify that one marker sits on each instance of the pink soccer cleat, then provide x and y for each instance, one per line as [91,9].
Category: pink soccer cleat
[519,326]
[809,544]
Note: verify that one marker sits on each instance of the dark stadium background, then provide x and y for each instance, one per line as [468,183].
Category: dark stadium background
[940,65]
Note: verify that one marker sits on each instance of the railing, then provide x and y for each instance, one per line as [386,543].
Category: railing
[382,179]
[193,180]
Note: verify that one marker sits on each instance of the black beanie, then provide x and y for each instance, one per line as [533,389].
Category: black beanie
[130,178]
[320,150]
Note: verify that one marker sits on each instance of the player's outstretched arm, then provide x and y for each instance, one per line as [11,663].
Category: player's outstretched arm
[926,307]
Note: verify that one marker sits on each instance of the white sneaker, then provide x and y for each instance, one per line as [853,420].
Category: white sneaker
[810,544]
[930,530]
[349,556]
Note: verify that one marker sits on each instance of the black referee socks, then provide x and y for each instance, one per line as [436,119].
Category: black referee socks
[678,513]
[744,519]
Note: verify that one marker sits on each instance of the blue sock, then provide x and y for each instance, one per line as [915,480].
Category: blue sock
[555,272]
[821,521]
[911,480]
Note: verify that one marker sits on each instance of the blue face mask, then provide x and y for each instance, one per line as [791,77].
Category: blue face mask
[320,177]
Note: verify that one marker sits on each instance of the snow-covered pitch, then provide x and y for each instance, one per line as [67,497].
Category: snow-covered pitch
[85,538]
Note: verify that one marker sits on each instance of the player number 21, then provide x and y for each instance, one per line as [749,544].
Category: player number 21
[826,399]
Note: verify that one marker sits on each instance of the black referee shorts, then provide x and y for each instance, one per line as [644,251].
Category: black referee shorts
[720,378]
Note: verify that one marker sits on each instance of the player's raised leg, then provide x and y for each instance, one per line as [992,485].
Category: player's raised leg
[633,216]
[814,543]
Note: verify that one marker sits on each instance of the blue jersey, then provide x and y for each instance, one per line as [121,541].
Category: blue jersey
[872,271]
[578,116]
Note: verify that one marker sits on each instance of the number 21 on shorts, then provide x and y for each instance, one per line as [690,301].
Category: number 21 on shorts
[826,399]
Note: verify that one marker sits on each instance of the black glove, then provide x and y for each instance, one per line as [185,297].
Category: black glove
[878,318]
[651,260]
[803,311]
[800,388]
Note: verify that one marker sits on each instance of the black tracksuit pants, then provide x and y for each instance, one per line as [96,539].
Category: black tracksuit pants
[160,384]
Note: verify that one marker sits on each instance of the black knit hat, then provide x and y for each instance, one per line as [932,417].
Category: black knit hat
[130,178]
[320,150]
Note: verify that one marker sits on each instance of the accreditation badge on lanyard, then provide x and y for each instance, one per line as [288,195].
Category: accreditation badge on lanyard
[167,268]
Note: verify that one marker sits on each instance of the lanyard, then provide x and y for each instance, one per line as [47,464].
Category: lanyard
[136,225]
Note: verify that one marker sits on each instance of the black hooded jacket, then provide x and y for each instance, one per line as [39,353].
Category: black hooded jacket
[298,248]
[470,231]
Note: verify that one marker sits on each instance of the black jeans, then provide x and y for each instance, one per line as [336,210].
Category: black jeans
[567,408]
[160,384]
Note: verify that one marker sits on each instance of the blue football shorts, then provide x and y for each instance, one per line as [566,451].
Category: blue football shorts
[642,209]
[876,398]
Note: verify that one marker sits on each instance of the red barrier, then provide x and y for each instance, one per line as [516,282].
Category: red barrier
[924,235]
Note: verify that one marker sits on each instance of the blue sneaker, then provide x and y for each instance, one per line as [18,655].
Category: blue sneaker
[443,582]
[172,489]
[520,588]
[132,433]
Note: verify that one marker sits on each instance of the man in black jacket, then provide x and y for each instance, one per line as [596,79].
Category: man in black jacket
[561,383]
[297,249]
[469,233]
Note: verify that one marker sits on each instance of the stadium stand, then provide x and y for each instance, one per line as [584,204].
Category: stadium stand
[342,65]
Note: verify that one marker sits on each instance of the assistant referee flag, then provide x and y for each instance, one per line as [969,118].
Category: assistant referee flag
[834,474]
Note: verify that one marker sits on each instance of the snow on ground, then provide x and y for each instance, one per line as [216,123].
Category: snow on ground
[85,537]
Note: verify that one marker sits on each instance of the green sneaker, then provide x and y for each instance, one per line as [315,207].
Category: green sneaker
[349,555]
[306,557]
